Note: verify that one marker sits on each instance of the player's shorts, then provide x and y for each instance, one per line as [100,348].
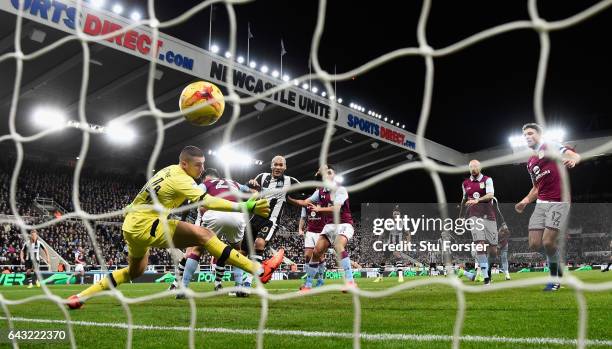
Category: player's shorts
[228,225]
[79,268]
[395,238]
[262,228]
[552,215]
[28,264]
[310,239]
[488,232]
[154,236]
[331,231]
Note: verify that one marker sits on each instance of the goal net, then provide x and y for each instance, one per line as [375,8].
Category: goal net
[540,26]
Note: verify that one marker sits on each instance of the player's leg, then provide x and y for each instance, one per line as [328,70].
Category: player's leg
[321,272]
[549,243]
[230,226]
[309,244]
[504,261]
[136,267]
[492,240]
[192,262]
[187,234]
[179,270]
[344,234]
[312,267]
[607,268]
[479,238]
[29,277]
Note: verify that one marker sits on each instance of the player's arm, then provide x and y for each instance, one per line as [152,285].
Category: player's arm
[531,197]
[291,200]
[194,193]
[313,199]
[302,221]
[570,158]
[21,254]
[339,199]
[490,194]
[246,189]
[256,183]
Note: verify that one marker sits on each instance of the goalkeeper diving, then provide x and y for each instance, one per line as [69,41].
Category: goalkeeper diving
[144,228]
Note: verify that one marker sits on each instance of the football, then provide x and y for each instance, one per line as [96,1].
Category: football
[206,95]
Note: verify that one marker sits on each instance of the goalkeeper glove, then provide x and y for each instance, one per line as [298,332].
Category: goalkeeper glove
[259,207]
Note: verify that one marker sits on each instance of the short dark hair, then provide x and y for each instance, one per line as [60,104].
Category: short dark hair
[191,151]
[534,126]
[212,172]
[331,167]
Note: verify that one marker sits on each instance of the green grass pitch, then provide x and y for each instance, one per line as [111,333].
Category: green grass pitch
[426,311]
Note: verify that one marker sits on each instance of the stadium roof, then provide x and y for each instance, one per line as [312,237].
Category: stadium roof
[292,124]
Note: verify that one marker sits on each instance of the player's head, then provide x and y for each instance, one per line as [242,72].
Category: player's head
[475,168]
[532,133]
[34,235]
[192,160]
[278,166]
[326,172]
[211,173]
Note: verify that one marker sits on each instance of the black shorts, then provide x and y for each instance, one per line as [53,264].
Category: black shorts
[28,264]
[261,228]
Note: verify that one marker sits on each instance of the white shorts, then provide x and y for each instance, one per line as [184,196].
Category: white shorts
[552,215]
[79,268]
[228,225]
[310,239]
[333,230]
[488,233]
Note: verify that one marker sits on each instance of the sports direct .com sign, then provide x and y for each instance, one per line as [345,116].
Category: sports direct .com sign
[62,15]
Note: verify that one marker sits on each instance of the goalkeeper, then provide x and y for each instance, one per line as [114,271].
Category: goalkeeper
[145,227]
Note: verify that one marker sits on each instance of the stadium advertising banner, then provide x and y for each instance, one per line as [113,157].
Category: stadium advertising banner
[182,56]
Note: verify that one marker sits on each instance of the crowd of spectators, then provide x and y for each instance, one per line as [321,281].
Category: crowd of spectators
[101,193]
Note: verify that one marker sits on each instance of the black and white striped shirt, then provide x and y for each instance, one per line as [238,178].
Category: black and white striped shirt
[271,189]
[35,247]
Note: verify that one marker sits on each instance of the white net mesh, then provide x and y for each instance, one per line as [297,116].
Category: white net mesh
[535,23]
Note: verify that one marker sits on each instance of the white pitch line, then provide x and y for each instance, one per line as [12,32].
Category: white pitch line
[364,336]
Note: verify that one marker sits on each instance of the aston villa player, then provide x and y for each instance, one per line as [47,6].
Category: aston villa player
[551,212]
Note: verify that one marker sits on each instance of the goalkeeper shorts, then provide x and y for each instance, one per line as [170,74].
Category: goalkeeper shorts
[155,235]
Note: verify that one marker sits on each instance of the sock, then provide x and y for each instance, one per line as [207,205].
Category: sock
[237,276]
[553,264]
[228,255]
[309,275]
[248,281]
[116,278]
[29,278]
[490,261]
[311,269]
[483,262]
[219,271]
[178,271]
[82,278]
[191,265]
[504,261]
[608,267]
[258,255]
[322,269]
[346,265]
